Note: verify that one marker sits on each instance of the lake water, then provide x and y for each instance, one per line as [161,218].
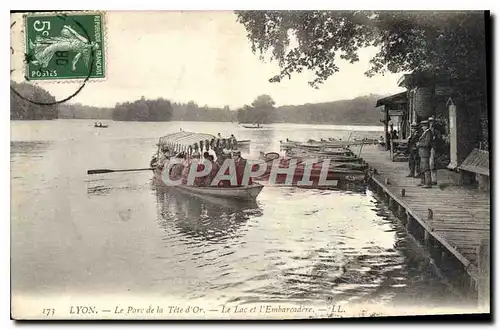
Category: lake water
[119,233]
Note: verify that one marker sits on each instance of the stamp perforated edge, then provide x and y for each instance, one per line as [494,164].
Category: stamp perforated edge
[71,81]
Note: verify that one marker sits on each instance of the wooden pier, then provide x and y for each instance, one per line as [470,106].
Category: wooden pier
[452,221]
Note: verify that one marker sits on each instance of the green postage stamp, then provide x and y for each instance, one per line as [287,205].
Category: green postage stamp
[65,46]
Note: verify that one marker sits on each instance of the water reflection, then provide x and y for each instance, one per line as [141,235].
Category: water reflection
[31,149]
[207,218]
[307,244]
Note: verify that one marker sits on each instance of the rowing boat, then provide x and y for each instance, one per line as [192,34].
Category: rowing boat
[249,192]
[237,193]
[340,172]
[341,158]
[288,144]
[316,145]
[187,142]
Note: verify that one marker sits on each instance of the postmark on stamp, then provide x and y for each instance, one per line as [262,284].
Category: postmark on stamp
[65,46]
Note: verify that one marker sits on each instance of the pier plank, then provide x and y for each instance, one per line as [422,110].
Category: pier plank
[461,215]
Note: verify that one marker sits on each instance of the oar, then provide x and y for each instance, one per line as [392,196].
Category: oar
[103,170]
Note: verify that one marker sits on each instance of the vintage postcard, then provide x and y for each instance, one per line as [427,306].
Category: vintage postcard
[249,165]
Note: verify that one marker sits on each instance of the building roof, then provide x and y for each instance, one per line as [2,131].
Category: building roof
[395,99]
[184,138]
[421,79]
[478,161]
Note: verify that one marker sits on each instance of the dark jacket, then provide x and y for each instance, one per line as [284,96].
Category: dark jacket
[424,144]
[412,141]
[436,136]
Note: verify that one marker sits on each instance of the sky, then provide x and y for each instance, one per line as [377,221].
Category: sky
[200,56]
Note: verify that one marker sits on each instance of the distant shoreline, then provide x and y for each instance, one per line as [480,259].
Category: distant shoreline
[202,121]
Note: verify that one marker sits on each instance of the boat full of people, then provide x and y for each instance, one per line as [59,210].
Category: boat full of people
[192,162]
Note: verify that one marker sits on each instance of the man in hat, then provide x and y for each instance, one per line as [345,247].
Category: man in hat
[240,165]
[432,158]
[413,151]
[233,141]
[424,153]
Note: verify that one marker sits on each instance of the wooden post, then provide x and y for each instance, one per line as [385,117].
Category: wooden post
[452,111]
[408,221]
[443,256]
[483,292]
[404,216]
[427,241]
[400,211]
[386,123]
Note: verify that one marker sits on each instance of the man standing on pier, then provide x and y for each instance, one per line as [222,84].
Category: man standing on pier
[413,151]
[424,153]
[432,159]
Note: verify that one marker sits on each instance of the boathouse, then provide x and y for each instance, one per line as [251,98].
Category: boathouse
[395,113]
[451,220]
[462,123]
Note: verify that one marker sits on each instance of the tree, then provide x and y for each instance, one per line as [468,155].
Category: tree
[261,111]
[144,110]
[22,109]
[446,44]
[263,101]
[449,43]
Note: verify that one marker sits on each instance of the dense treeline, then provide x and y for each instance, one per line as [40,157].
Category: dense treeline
[360,110]
[179,111]
[80,111]
[21,109]
[143,110]
[192,112]
[356,111]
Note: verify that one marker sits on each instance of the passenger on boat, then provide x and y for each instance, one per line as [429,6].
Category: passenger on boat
[240,165]
[222,156]
[164,156]
[185,168]
[233,141]
[215,169]
[198,181]
[177,169]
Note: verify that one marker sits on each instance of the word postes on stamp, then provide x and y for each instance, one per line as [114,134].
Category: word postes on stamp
[64,46]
